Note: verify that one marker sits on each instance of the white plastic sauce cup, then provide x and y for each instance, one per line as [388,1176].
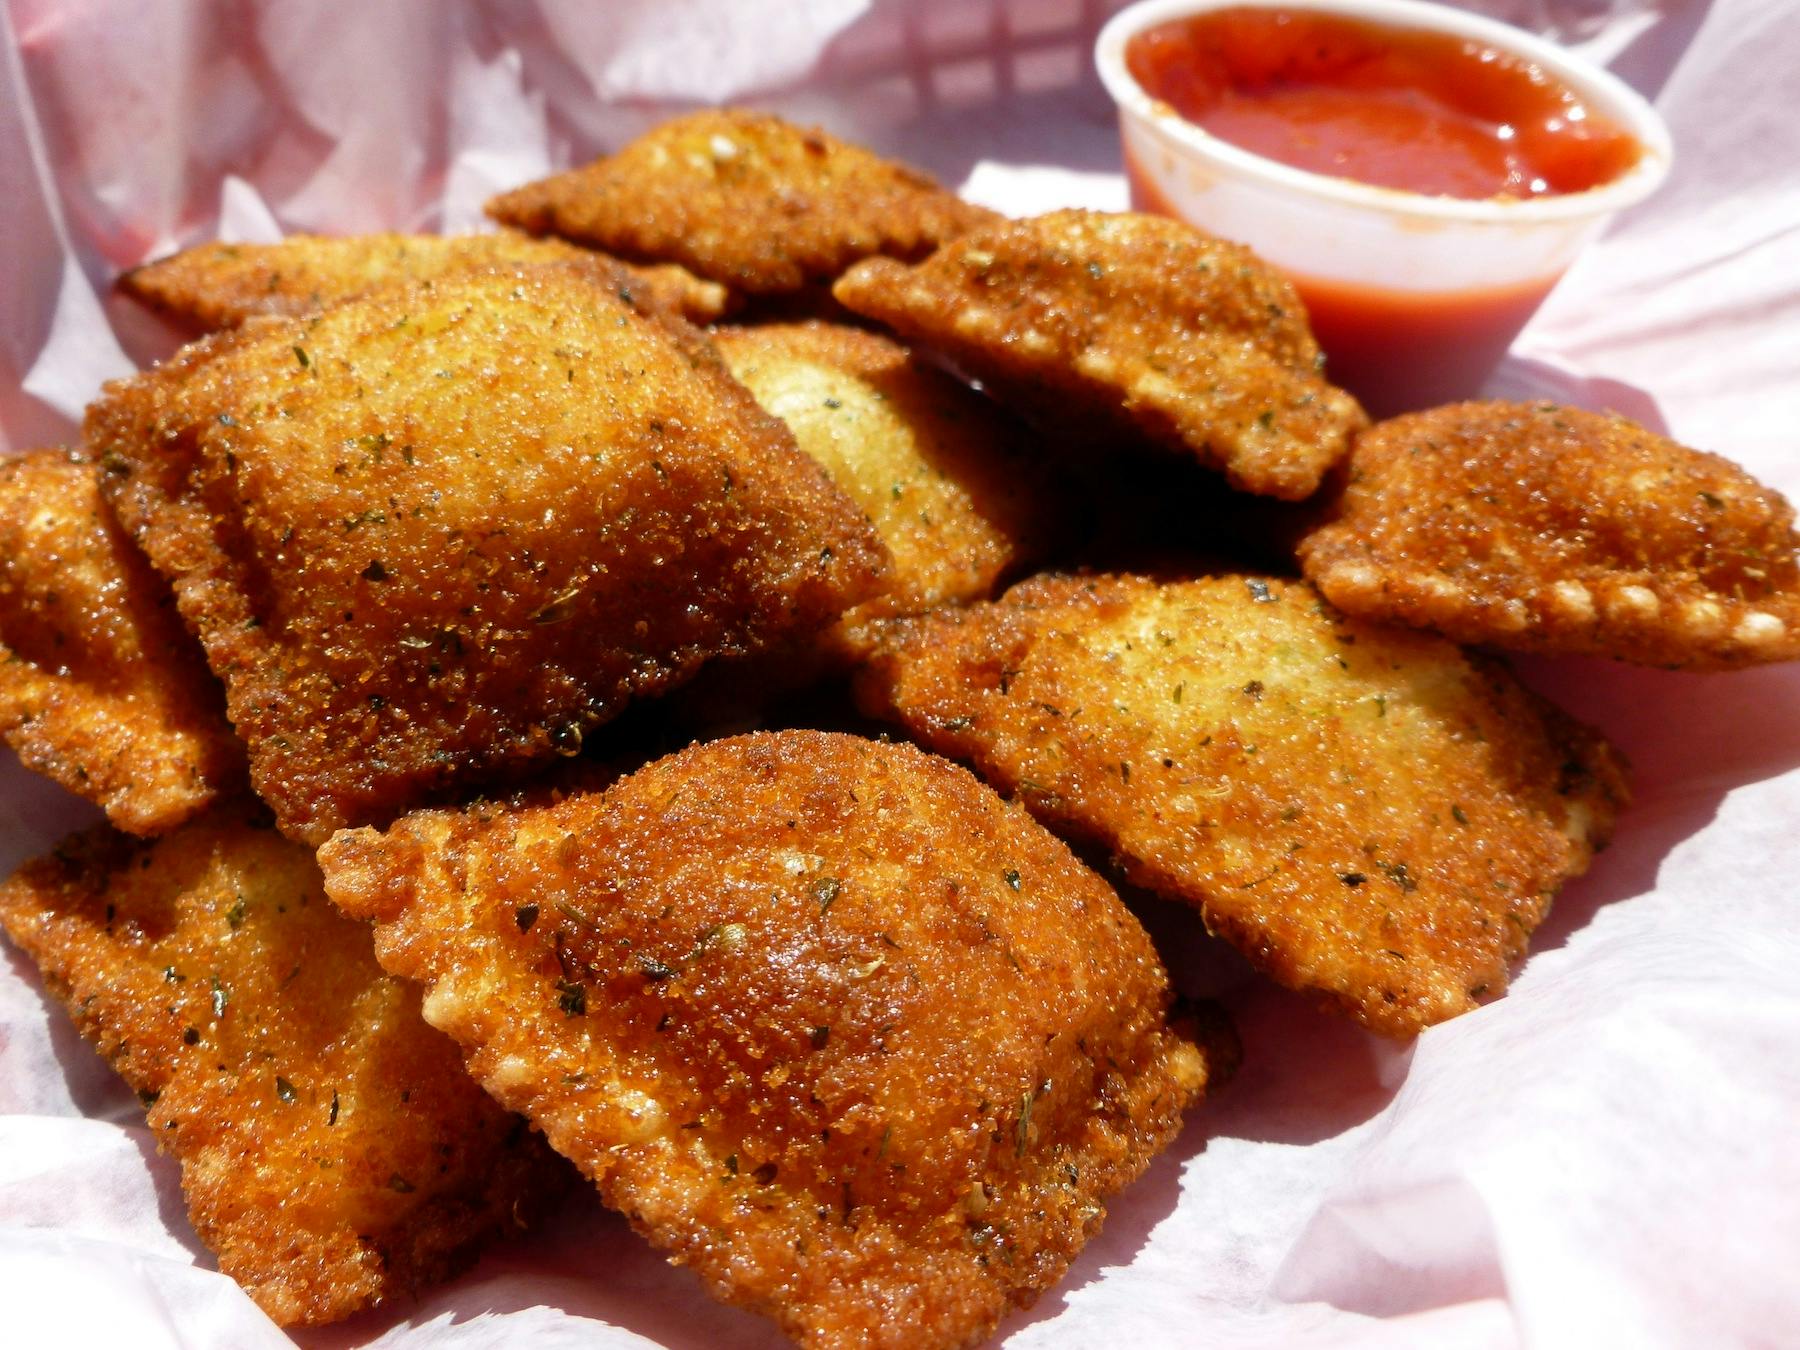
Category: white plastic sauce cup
[1414,298]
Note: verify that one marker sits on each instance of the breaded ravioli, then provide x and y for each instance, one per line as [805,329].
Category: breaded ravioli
[941,473]
[333,1152]
[1129,325]
[746,199]
[434,536]
[830,1022]
[101,688]
[220,285]
[1550,529]
[1370,815]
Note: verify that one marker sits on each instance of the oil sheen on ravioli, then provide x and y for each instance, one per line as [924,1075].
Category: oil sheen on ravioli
[1371,815]
[829,1021]
[434,536]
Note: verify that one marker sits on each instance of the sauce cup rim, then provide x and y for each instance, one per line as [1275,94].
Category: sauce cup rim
[1600,87]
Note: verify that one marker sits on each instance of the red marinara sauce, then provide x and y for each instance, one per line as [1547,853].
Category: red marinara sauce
[1397,350]
[1398,108]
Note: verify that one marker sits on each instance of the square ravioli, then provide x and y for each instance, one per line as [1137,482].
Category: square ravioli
[219,285]
[1128,326]
[943,474]
[1550,529]
[436,535]
[830,1022]
[333,1152]
[746,199]
[1370,815]
[101,688]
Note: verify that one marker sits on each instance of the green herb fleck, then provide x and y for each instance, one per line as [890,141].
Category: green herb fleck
[571,998]
[1012,877]
[1022,1134]
[399,1183]
[525,916]
[1397,873]
[285,1090]
[301,356]
[826,890]
[722,935]
[332,1118]
[234,917]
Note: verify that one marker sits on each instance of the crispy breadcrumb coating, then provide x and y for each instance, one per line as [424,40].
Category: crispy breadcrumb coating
[434,536]
[746,199]
[101,688]
[1129,325]
[830,1022]
[941,473]
[333,1151]
[1369,815]
[219,285]
[1550,529]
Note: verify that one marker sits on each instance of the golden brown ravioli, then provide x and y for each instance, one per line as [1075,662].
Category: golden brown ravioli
[1370,815]
[743,198]
[1128,325]
[334,1154]
[101,688]
[830,1022]
[219,285]
[940,472]
[434,536]
[1550,529]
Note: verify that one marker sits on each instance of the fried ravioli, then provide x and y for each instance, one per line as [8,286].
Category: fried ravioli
[1551,529]
[745,199]
[333,1151]
[101,688]
[830,1022]
[940,472]
[434,536]
[1129,325]
[1369,815]
[220,285]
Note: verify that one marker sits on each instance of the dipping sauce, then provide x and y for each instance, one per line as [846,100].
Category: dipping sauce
[1399,108]
[1398,350]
